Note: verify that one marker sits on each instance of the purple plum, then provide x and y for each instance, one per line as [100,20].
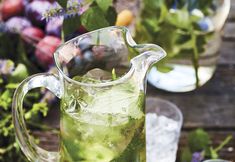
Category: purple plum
[54,26]
[17,24]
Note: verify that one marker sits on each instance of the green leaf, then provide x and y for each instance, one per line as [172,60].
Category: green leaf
[186,155]
[19,74]
[142,34]
[5,99]
[104,4]
[151,25]
[111,16]
[164,68]
[93,19]
[63,3]
[37,107]
[179,19]
[153,4]
[12,85]
[70,25]
[199,140]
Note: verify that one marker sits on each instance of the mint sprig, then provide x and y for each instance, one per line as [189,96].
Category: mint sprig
[200,146]
[174,26]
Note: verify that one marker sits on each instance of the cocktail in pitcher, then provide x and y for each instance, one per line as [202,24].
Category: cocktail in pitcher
[101,85]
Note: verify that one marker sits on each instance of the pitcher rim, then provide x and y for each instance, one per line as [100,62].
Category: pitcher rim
[120,80]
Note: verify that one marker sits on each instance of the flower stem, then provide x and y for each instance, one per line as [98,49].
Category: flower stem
[195,58]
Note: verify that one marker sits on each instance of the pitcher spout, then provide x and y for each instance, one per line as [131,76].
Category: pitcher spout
[149,54]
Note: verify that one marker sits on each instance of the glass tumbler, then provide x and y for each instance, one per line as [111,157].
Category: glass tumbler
[163,125]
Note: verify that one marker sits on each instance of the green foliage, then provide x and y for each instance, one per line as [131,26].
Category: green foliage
[15,67]
[71,24]
[94,18]
[100,14]
[175,30]
[104,4]
[19,74]
[200,141]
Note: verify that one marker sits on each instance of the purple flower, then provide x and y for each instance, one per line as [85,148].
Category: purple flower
[35,10]
[197,157]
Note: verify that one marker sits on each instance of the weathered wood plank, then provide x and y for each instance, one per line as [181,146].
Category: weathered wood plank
[232,11]
[227,53]
[229,31]
[212,105]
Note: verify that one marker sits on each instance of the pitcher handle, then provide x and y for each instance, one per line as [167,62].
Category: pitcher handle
[27,145]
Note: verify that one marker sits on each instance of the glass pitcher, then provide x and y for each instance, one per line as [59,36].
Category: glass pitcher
[101,85]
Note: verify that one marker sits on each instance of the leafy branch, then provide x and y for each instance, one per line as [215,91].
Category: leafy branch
[200,147]
[175,26]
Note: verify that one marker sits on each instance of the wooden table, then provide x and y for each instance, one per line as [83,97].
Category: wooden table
[211,107]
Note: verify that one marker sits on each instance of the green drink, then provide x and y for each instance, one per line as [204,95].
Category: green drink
[106,127]
[102,111]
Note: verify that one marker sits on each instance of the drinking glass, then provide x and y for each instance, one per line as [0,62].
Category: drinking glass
[163,125]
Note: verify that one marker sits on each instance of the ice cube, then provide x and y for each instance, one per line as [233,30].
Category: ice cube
[161,138]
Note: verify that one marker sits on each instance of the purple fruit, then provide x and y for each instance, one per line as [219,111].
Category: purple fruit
[10,8]
[54,26]
[17,24]
[45,49]
[35,10]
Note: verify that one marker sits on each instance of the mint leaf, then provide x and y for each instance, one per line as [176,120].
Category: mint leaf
[70,25]
[179,19]
[111,15]
[93,19]
[104,4]
[199,140]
